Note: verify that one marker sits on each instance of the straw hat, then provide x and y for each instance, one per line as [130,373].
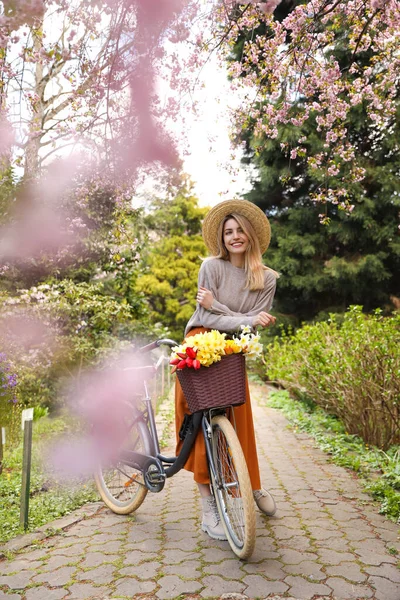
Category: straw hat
[253,213]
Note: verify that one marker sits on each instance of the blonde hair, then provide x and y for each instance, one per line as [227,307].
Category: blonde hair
[253,264]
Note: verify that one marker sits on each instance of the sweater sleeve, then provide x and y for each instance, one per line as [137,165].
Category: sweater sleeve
[224,321]
[264,301]
[264,298]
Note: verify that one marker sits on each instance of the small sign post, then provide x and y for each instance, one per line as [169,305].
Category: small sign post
[2,443]
[27,419]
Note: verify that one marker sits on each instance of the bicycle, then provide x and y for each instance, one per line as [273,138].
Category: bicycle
[141,467]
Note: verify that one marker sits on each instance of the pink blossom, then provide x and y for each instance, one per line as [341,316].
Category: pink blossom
[103,400]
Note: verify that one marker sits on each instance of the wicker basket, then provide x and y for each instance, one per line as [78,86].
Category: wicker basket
[221,384]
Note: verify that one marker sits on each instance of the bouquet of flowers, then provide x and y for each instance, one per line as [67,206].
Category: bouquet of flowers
[205,349]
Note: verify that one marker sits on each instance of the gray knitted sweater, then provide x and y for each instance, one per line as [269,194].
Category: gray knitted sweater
[233,305]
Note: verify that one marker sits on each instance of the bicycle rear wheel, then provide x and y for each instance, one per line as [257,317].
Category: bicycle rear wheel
[121,486]
[232,488]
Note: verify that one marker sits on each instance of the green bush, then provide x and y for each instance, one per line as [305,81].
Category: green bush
[83,321]
[351,369]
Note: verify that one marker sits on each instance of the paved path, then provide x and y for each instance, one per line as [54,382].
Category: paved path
[326,541]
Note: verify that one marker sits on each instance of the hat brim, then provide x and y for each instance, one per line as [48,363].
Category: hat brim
[247,209]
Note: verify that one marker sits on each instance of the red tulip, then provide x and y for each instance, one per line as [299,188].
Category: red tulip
[181,354]
[189,362]
[196,364]
[181,364]
[190,352]
[174,361]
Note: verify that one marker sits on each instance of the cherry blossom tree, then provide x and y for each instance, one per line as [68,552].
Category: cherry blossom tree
[82,74]
[289,73]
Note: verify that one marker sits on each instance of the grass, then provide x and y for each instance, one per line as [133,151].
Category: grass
[49,498]
[379,470]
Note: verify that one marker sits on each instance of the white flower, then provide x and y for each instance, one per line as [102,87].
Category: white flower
[245,328]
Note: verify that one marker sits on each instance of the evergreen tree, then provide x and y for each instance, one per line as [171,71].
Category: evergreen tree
[353,258]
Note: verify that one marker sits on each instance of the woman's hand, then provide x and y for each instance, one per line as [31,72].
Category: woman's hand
[204,298]
[263,319]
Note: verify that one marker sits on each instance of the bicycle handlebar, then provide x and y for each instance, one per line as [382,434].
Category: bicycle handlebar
[156,344]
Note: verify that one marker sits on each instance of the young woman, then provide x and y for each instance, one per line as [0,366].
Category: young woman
[234,289]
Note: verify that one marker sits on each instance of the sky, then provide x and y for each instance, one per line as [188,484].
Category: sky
[208,157]
[211,156]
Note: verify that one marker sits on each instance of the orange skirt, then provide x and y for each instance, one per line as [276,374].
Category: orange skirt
[243,418]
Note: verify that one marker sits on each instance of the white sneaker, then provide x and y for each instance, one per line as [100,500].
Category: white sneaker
[265,502]
[211,522]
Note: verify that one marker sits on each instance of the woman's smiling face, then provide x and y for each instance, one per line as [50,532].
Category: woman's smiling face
[235,240]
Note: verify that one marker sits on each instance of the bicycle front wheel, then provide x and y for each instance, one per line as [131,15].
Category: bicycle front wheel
[121,486]
[232,488]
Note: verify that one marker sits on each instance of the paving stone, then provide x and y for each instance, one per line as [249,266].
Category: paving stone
[185,524]
[78,532]
[116,529]
[322,533]
[56,578]
[189,544]
[172,587]
[308,568]
[111,547]
[15,566]
[74,550]
[302,589]
[148,545]
[385,589]
[18,581]
[338,544]
[325,522]
[333,557]
[57,561]
[299,542]
[390,572]
[101,574]
[290,522]
[189,569]
[84,591]
[146,570]
[371,558]
[94,559]
[216,586]
[43,593]
[179,556]
[215,555]
[270,568]
[293,557]
[283,533]
[136,556]
[231,569]
[349,591]
[348,570]
[356,534]
[4,596]
[260,553]
[258,586]
[129,587]
[369,545]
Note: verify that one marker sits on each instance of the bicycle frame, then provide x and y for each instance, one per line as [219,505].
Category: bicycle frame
[166,467]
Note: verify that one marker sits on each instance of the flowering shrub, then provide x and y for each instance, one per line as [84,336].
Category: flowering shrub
[8,382]
[349,366]
[205,349]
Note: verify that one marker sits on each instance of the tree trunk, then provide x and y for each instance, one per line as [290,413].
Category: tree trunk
[32,159]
